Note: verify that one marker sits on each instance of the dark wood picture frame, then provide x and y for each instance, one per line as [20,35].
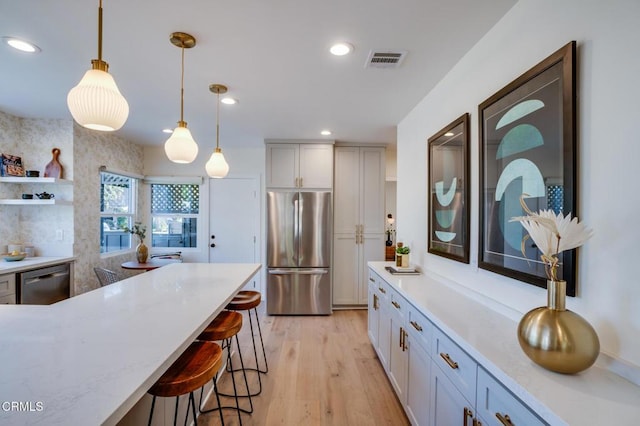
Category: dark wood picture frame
[527,135]
[448,186]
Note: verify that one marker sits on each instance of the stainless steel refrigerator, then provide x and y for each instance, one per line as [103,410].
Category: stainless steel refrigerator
[298,253]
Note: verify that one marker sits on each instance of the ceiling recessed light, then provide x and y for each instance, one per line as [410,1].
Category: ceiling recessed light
[21,45]
[448,134]
[341,49]
[229,101]
[167,130]
[325,132]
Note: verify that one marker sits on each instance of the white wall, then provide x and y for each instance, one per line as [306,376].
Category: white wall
[608,70]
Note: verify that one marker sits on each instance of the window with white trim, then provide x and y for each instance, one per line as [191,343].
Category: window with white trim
[174,214]
[118,198]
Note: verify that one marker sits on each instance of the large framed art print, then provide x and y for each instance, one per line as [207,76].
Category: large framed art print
[528,149]
[448,183]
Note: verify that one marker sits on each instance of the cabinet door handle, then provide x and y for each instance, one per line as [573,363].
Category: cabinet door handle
[375,302]
[382,290]
[401,337]
[404,340]
[505,420]
[415,325]
[395,304]
[372,280]
[477,422]
[467,414]
[448,360]
[301,184]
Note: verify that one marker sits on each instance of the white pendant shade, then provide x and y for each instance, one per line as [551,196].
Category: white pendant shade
[96,102]
[180,147]
[217,166]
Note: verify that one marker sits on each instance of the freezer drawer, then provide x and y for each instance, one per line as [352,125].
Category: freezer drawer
[302,291]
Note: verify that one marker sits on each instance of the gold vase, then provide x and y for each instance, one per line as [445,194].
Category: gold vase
[556,338]
[402,260]
[142,252]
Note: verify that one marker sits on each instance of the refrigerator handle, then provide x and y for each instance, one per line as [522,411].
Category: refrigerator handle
[296,228]
[298,272]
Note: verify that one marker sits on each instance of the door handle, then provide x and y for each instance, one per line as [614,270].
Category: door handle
[213,245]
[296,272]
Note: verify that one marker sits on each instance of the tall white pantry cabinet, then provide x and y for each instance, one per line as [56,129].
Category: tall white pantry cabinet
[359,220]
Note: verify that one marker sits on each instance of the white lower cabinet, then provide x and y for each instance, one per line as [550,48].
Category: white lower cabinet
[8,289]
[436,381]
[497,406]
[418,341]
[398,355]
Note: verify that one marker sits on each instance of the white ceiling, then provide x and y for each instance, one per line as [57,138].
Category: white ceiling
[272,54]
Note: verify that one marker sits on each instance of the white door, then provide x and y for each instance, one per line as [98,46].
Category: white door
[234,223]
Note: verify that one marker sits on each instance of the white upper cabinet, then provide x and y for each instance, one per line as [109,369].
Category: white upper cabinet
[300,166]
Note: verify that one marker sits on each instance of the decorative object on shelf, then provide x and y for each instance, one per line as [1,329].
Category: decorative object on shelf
[217,166]
[96,103]
[27,196]
[53,168]
[402,255]
[390,230]
[448,198]
[553,336]
[33,173]
[142,251]
[45,196]
[528,145]
[11,165]
[180,147]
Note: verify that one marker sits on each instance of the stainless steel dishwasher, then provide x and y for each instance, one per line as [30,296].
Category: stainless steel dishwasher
[44,286]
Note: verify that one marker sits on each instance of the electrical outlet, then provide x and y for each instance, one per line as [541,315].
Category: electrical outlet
[59,235]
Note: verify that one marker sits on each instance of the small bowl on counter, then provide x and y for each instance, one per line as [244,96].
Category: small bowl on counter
[10,257]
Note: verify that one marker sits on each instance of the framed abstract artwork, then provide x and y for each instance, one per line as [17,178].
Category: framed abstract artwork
[448,183]
[527,148]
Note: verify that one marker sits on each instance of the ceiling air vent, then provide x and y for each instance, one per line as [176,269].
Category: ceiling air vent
[385,58]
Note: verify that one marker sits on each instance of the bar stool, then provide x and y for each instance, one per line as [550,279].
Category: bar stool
[224,327]
[198,364]
[248,300]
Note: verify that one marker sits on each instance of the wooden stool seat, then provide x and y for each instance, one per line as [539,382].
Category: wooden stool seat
[227,324]
[197,365]
[245,300]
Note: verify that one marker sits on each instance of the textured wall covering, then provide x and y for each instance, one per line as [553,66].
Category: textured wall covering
[33,140]
[93,149]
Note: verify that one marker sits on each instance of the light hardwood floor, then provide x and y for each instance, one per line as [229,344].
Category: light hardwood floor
[322,371]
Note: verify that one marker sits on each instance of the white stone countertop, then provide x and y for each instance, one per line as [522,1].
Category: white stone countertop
[32,263]
[87,360]
[594,397]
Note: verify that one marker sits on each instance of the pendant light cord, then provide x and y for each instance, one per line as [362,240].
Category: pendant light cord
[100,32]
[218,121]
[182,89]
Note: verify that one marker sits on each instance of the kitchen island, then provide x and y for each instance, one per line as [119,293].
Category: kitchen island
[87,360]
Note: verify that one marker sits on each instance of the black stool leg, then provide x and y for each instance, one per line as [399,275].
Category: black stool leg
[153,404]
[264,354]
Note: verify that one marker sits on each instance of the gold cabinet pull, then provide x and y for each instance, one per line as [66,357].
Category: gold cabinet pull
[382,290]
[375,302]
[477,422]
[505,420]
[467,414]
[395,304]
[415,325]
[372,280]
[301,184]
[404,340]
[448,360]
[401,337]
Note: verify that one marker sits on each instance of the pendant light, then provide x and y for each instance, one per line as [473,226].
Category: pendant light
[217,166]
[96,102]
[180,147]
